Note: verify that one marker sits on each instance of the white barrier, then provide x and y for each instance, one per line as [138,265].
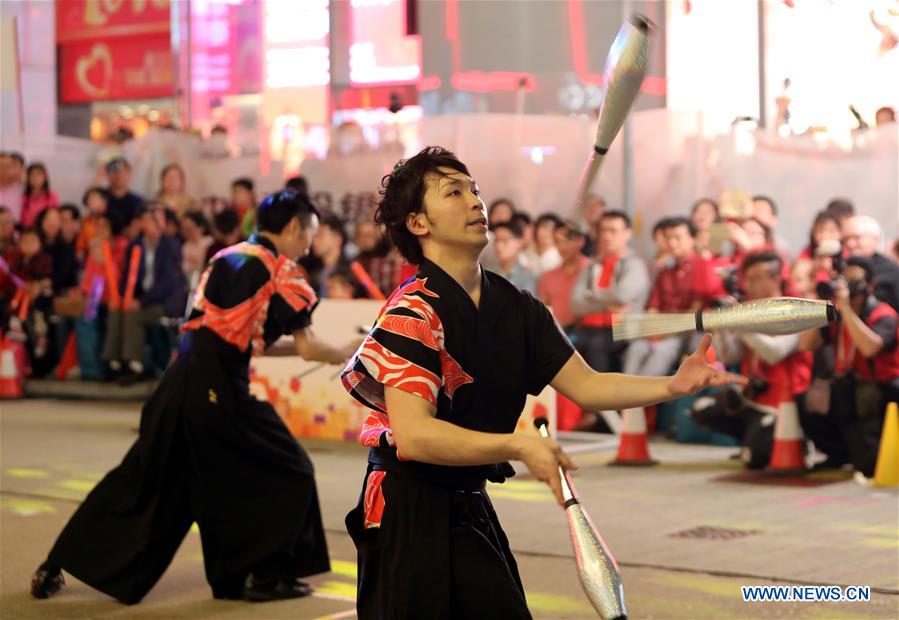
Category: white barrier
[317,404]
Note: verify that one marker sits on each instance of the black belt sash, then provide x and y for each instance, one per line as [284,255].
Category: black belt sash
[457,478]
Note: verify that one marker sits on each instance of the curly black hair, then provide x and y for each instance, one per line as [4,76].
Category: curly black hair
[403,192]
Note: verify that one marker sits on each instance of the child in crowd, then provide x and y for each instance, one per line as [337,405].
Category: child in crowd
[226,231]
[35,268]
[341,284]
[197,241]
[243,200]
[95,202]
[71,223]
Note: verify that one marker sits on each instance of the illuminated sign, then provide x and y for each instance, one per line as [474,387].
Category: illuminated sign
[296,36]
[297,67]
[380,50]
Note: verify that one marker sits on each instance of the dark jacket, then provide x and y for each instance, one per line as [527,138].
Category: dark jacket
[169,288]
[886,280]
[122,209]
[65,266]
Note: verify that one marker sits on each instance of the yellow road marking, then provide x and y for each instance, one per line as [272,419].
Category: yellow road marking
[550,604]
[344,568]
[341,589]
[21,472]
[880,530]
[881,543]
[701,584]
[26,507]
[77,485]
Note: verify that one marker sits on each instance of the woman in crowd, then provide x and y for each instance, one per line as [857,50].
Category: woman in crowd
[65,267]
[172,192]
[545,242]
[37,195]
[64,278]
[500,210]
[826,227]
[703,214]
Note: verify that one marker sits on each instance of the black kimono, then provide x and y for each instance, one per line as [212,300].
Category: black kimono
[209,452]
[428,540]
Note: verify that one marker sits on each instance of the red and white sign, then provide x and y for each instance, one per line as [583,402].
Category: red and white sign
[114,49]
[116,68]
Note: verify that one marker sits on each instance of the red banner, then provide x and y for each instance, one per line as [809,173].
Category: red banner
[77,20]
[116,68]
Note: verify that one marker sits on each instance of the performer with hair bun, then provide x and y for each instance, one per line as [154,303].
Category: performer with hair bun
[208,451]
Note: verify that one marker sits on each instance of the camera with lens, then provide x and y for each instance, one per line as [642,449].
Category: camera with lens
[731,284]
[828,288]
[833,250]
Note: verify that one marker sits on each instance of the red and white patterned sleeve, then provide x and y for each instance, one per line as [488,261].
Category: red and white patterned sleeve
[403,350]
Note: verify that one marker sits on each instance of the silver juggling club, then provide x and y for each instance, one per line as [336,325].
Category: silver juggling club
[623,73]
[773,316]
[596,568]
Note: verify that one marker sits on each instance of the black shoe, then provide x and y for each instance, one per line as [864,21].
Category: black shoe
[228,594]
[46,582]
[259,590]
[229,588]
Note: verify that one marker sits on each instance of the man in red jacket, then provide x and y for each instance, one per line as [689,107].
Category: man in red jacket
[866,367]
[687,286]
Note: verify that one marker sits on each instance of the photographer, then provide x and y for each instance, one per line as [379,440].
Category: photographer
[774,365]
[866,363]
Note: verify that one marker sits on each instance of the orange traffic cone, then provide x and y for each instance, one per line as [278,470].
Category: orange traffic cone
[12,368]
[786,456]
[633,447]
[69,359]
[886,473]
[568,414]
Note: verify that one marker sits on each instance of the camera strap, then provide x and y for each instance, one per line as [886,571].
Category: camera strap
[845,361]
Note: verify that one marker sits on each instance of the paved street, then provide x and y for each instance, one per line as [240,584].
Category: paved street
[687,534]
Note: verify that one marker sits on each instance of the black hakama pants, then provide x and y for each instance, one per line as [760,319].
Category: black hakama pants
[210,453]
[439,553]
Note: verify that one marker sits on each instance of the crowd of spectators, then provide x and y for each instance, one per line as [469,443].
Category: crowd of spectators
[98,289]
[840,378]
